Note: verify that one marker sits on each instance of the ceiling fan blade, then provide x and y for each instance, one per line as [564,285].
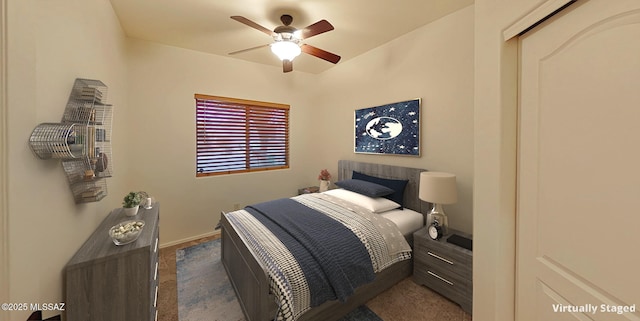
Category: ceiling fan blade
[317,28]
[317,52]
[249,49]
[253,25]
[287,65]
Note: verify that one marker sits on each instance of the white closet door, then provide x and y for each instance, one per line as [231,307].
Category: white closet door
[578,229]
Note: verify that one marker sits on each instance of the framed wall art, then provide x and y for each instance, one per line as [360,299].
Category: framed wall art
[392,129]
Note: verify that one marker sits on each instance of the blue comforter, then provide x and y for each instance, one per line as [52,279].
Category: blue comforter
[332,258]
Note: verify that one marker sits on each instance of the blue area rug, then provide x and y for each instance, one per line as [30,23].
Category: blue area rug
[206,294]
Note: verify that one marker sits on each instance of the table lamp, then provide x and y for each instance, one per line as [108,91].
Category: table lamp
[438,188]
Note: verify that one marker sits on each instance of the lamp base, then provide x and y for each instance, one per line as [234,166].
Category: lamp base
[437,214]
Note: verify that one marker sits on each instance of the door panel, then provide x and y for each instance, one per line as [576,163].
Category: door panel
[578,173]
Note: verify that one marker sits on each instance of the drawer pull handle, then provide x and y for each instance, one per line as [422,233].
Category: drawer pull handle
[155,276]
[440,257]
[440,278]
[156,247]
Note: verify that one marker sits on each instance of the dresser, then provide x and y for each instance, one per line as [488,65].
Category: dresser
[444,267]
[106,282]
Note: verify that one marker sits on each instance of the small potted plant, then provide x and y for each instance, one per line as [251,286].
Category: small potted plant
[131,203]
[146,201]
[324,178]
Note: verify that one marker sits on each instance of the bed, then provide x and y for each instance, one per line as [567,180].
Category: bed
[249,270]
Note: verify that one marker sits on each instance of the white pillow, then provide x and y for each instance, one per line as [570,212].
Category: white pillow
[376,205]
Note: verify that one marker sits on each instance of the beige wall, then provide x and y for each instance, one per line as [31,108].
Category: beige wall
[163,79]
[434,63]
[161,152]
[50,43]
[4,165]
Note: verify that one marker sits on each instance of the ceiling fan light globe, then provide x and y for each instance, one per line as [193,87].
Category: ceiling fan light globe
[286,50]
[286,36]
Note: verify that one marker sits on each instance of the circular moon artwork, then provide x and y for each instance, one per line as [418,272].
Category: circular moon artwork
[384,128]
[389,129]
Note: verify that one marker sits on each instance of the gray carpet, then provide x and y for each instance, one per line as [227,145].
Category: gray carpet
[205,293]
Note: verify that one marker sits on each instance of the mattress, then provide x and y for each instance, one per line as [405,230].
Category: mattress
[407,220]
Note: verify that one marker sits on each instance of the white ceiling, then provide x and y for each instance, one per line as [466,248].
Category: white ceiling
[204,25]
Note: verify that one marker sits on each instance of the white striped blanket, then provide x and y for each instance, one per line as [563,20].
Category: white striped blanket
[381,238]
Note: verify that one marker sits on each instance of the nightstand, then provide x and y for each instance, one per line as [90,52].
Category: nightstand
[308,190]
[444,267]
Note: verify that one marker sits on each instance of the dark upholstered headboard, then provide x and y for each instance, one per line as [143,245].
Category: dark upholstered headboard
[411,200]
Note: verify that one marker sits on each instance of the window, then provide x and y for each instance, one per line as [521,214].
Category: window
[236,135]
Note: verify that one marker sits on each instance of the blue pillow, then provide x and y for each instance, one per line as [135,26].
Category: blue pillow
[397,185]
[365,188]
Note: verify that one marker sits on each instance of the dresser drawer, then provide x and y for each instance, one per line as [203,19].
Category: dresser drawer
[154,262]
[154,279]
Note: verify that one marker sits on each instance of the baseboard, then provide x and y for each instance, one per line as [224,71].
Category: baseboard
[189,239]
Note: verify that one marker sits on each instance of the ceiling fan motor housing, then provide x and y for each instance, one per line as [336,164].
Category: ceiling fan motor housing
[286,33]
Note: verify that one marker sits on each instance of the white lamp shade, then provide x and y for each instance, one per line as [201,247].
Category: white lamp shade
[438,187]
[286,50]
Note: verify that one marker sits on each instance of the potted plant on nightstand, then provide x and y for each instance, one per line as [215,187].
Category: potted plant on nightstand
[130,203]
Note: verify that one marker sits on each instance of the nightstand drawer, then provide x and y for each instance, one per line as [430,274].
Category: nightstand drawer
[446,261]
[445,275]
[444,255]
[443,282]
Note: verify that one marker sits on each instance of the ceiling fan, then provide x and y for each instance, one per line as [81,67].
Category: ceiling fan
[288,40]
